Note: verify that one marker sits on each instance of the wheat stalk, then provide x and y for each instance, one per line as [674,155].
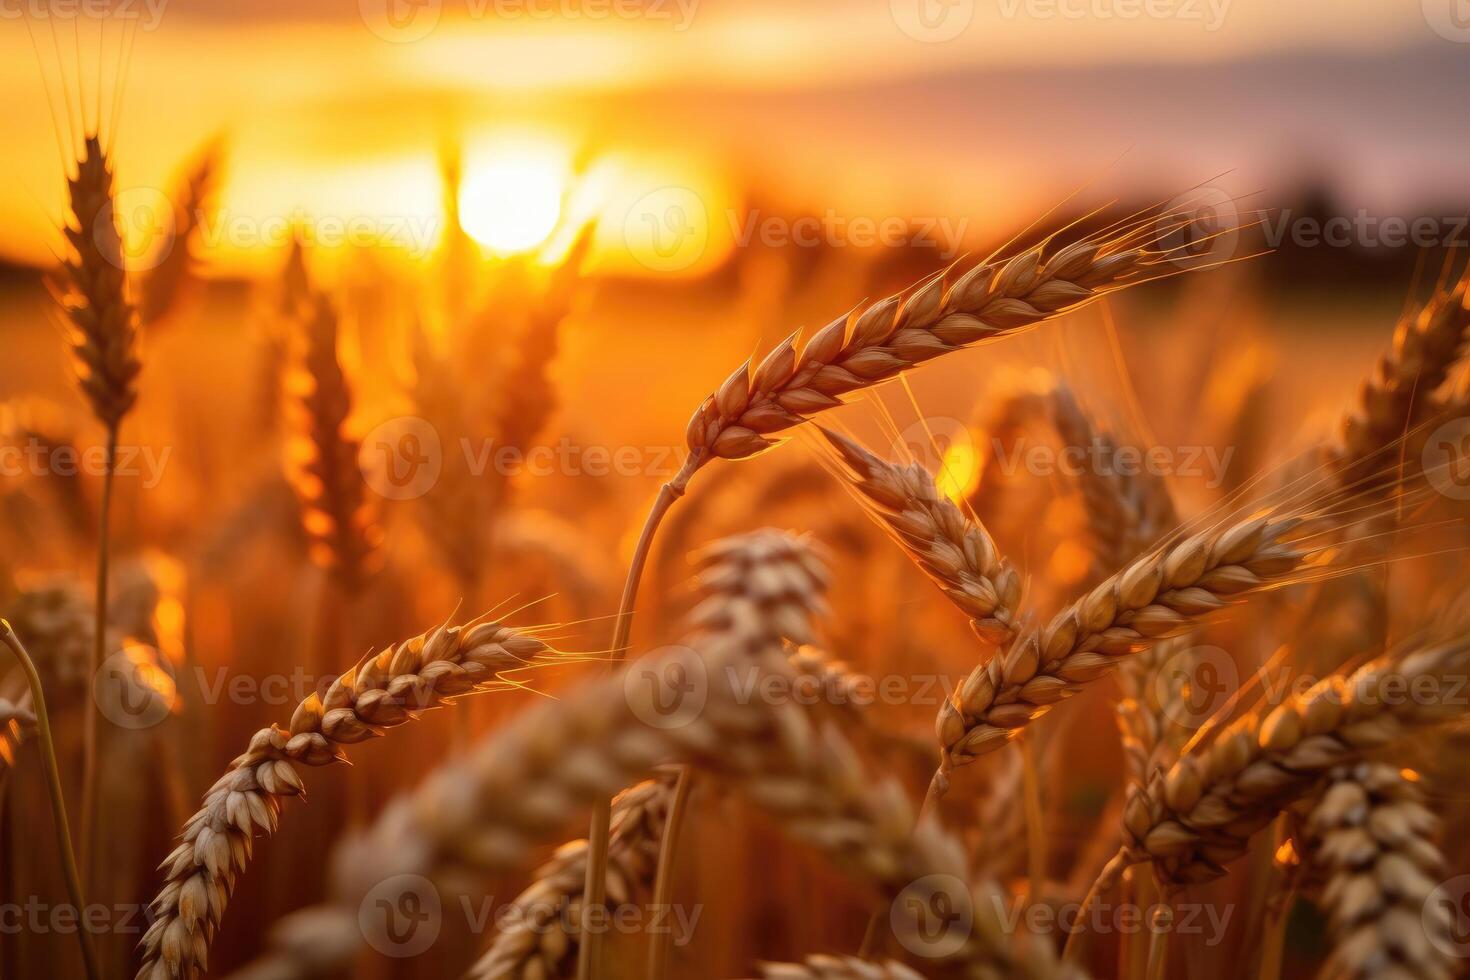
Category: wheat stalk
[1202,813]
[382,691]
[956,552]
[162,287]
[323,461]
[480,813]
[1371,837]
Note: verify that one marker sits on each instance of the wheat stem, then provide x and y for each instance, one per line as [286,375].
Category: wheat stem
[1035,837]
[53,786]
[99,641]
[663,886]
[594,890]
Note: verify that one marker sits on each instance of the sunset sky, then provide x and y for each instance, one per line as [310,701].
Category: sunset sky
[980,108]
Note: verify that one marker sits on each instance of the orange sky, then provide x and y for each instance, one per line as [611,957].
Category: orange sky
[340,110]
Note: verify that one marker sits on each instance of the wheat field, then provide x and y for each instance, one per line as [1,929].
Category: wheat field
[1086,598]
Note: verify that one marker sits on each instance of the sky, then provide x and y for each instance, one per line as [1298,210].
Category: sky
[916,107]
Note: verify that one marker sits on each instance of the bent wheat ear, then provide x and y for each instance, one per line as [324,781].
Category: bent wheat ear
[1161,595]
[382,692]
[838,968]
[956,553]
[480,813]
[941,314]
[95,296]
[1370,835]
[1189,822]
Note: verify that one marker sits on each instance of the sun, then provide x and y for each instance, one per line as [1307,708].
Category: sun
[511,202]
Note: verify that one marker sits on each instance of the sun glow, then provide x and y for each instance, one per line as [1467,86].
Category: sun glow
[511,200]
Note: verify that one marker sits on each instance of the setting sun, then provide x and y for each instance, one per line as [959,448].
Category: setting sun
[511,202]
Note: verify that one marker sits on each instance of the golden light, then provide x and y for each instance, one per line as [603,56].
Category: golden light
[511,202]
[960,474]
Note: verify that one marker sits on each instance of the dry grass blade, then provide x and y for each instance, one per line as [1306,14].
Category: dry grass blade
[941,314]
[95,295]
[1371,837]
[954,551]
[1202,813]
[480,813]
[384,691]
[323,457]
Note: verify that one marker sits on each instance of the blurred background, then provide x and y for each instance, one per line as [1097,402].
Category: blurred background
[627,198]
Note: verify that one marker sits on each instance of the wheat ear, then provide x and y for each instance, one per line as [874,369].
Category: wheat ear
[95,299]
[1163,594]
[383,691]
[1371,836]
[162,288]
[838,968]
[956,552]
[1202,813]
[480,813]
[1399,393]
[323,461]
[857,351]
[757,590]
